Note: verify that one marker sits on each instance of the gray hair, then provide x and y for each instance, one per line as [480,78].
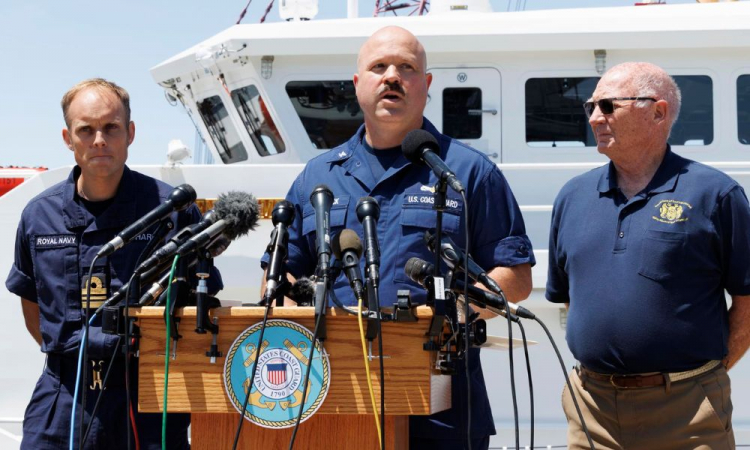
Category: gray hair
[650,80]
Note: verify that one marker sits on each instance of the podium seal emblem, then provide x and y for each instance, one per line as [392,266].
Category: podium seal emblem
[276,395]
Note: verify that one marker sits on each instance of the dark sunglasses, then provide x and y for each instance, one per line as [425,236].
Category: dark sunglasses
[606,105]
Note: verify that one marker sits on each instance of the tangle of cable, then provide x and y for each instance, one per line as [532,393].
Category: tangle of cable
[367,370]
[166,353]
[567,380]
[77,385]
[531,383]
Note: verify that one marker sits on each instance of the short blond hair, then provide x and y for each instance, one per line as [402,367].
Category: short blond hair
[100,84]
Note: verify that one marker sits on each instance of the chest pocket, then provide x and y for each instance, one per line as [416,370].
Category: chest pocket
[417,216]
[337,219]
[662,255]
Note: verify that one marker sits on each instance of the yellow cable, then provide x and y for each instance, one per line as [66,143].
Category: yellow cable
[367,368]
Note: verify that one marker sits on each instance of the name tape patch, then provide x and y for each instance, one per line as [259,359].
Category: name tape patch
[55,241]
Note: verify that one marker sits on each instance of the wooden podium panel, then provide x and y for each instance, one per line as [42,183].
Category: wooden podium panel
[321,431]
[345,418]
[196,385]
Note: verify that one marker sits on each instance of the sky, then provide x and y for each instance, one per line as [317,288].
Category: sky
[47,46]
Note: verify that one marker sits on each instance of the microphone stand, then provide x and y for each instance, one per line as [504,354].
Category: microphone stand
[436,298]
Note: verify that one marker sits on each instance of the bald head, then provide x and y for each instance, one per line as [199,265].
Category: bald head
[391,36]
[644,79]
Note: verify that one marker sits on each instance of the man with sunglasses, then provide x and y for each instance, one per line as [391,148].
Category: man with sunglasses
[642,251]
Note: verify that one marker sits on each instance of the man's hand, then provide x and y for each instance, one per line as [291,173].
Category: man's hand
[31,316]
[739,329]
[514,281]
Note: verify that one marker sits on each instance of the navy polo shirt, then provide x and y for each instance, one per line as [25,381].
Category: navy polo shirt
[405,195]
[645,277]
[56,242]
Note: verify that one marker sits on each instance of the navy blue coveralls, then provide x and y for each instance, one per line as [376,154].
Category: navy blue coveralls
[56,241]
[405,195]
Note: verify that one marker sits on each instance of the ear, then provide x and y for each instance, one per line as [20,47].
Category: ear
[355,78]
[661,111]
[67,139]
[131,132]
[429,79]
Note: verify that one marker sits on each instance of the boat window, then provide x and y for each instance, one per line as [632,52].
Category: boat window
[695,124]
[329,110]
[462,113]
[554,112]
[257,120]
[743,109]
[221,129]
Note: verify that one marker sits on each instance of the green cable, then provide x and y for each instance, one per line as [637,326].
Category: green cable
[166,356]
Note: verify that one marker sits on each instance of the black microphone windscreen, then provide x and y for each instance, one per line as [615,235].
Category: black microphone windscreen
[368,206]
[182,196]
[414,143]
[302,291]
[283,213]
[418,269]
[346,240]
[240,210]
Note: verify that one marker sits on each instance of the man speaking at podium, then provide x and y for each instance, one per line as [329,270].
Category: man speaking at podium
[60,232]
[391,85]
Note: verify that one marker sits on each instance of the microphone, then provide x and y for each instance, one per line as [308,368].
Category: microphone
[454,258]
[282,217]
[168,250]
[239,214]
[179,199]
[368,213]
[421,147]
[420,272]
[322,200]
[348,248]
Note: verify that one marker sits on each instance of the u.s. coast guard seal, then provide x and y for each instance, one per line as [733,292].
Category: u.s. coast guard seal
[276,395]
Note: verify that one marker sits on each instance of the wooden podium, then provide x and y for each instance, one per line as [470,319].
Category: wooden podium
[344,421]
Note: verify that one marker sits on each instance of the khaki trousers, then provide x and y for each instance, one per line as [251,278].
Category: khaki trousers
[695,414]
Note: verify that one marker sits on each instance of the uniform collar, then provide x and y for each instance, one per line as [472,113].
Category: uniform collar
[664,180]
[121,212]
[351,158]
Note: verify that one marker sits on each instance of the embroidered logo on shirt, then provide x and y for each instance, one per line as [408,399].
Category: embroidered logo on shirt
[55,241]
[425,188]
[342,154]
[99,290]
[671,211]
[144,237]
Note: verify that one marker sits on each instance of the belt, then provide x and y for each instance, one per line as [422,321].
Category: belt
[647,380]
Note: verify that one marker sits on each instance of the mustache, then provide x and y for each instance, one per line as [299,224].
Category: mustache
[391,87]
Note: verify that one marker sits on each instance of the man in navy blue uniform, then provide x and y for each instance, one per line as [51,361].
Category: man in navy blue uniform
[59,234]
[642,251]
[391,85]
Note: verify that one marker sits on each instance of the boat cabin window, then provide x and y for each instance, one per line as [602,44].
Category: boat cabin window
[329,110]
[743,109]
[462,113]
[257,120]
[222,131]
[695,124]
[554,112]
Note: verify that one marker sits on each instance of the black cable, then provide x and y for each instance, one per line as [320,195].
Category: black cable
[467,344]
[104,383]
[127,352]
[567,380]
[531,383]
[84,358]
[252,376]
[318,321]
[382,369]
[512,372]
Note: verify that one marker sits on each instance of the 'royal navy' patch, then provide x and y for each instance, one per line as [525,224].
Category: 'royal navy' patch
[55,241]
[276,396]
